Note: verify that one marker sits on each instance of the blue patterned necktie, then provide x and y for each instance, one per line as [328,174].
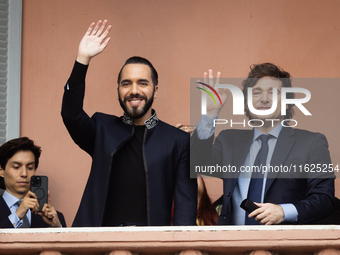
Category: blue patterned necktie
[256,182]
[25,222]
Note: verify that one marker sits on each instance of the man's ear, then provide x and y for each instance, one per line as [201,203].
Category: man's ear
[2,172]
[155,92]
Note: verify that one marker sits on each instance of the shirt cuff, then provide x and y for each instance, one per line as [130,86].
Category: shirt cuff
[205,127]
[291,214]
[14,219]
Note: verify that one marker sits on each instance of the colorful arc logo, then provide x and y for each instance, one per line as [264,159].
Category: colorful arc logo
[212,89]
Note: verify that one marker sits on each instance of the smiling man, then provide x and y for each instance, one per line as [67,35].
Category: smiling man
[140,165]
[136,94]
[281,197]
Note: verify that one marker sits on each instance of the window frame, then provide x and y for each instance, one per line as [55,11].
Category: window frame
[14,69]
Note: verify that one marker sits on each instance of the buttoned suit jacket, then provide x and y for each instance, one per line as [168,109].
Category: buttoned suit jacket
[312,193]
[36,220]
[166,161]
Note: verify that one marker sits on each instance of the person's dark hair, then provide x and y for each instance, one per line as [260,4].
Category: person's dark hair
[8,149]
[140,60]
[206,211]
[268,69]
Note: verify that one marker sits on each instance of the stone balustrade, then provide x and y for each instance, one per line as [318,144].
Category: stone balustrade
[236,240]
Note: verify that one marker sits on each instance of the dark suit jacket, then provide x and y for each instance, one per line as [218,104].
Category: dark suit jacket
[166,162]
[36,220]
[312,193]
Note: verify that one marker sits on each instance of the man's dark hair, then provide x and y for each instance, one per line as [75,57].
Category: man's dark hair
[270,70]
[144,61]
[8,149]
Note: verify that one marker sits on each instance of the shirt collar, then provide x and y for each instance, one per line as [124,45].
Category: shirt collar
[9,199]
[274,132]
[149,123]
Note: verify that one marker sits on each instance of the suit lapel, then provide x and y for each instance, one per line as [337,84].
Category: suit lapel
[284,145]
[4,206]
[4,212]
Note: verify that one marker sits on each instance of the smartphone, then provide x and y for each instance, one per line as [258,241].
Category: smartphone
[248,205]
[39,186]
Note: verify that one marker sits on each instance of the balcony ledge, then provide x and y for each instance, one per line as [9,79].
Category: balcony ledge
[206,239]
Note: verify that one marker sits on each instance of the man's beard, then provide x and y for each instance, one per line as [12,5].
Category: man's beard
[136,113]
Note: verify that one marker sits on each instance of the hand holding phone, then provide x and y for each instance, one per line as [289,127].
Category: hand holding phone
[248,205]
[39,186]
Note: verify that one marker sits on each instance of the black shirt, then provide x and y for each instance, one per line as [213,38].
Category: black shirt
[126,197]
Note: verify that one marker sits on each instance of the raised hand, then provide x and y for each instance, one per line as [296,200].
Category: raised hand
[214,107]
[94,41]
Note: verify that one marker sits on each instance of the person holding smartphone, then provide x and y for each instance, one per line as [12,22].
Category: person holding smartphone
[19,207]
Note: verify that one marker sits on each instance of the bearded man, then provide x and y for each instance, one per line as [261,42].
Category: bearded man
[140,165]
